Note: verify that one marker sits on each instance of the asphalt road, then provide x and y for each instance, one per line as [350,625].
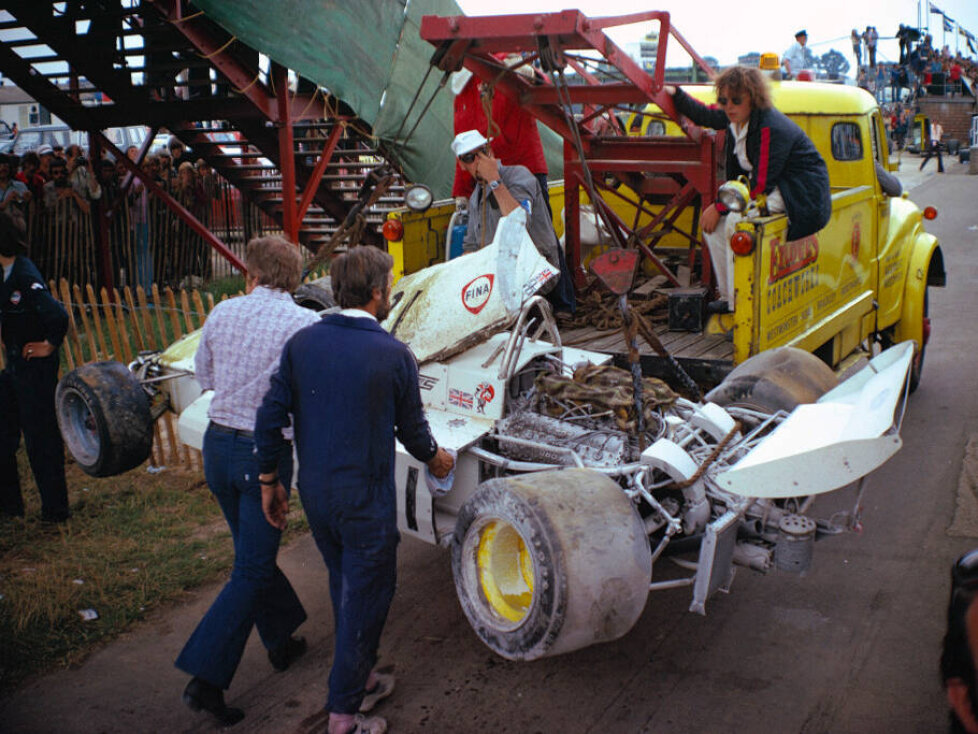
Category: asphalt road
[852,647]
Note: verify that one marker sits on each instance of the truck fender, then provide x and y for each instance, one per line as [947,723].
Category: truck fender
[925,267]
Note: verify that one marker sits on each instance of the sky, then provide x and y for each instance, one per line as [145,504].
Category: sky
[713,30]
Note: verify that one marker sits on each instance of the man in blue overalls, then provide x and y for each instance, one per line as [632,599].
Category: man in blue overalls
[352,389]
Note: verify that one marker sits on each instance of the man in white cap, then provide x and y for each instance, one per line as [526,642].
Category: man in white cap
[46,154]
[499,190]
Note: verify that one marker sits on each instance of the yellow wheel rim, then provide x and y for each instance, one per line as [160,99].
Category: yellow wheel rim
[505,569]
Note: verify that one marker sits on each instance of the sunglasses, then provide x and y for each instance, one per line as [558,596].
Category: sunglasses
[469,157]
[722,101]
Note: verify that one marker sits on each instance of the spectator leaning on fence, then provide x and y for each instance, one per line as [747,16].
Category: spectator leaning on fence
[14,194]
[59,189]
[84,179]
[29,175]
[46,157]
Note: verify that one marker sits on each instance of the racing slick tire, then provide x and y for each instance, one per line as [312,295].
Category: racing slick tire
[105,418]
[550,562]
[777,379]
[316,295]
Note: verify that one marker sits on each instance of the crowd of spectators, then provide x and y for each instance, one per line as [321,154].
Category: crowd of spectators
[58,191]
[921,69]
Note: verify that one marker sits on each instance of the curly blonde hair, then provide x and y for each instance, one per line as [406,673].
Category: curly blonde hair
[745,80]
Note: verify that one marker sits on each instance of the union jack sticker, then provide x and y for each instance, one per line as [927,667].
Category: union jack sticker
[460,399]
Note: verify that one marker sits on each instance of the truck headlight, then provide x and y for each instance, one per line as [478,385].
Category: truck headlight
[418,198]
[734,195]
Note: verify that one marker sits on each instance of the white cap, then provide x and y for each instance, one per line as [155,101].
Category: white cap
[45,150]
[467,142]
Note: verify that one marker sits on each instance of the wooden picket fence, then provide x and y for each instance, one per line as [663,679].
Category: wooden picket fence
[121,324]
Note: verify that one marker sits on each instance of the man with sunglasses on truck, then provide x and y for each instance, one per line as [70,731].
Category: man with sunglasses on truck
[498,191]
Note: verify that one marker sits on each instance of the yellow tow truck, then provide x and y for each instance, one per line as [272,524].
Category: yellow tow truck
[860,281]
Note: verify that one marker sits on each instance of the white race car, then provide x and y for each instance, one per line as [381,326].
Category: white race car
[559,507]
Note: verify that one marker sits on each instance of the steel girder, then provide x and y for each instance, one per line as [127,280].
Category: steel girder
[676,172]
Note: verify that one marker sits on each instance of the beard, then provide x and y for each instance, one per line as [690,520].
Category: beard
[384,309]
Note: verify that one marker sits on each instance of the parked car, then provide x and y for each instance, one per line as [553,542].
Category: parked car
[31,138]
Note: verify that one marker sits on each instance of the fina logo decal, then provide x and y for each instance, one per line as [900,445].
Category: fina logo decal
[475,295]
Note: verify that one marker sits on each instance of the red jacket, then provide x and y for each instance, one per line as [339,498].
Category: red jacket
[515,138]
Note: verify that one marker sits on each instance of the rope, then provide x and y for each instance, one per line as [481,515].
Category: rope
[309,104]
[189,17]
[600,311]
[220,50]
[329,112]
[248,85]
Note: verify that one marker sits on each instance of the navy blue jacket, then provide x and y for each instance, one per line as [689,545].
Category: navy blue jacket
[782,155]
[28,311]
[351,388]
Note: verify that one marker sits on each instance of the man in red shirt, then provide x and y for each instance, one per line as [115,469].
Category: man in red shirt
[513,133]
[954,77]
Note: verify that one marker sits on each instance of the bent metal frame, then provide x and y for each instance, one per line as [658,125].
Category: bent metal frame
[668,173]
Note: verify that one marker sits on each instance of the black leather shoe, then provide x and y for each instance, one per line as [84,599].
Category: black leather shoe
[200,695]
[284,655]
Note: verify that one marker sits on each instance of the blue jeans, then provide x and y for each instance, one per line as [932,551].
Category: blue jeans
[360,552]
[258,593]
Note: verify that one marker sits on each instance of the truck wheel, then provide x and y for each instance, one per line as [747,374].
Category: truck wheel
[778,379]
[917,366]
[550,562]
[317,295]
[104,417]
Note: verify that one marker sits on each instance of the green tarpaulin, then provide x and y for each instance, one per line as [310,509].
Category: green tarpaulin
[370,54]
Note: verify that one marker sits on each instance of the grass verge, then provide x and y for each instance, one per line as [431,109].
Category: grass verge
[134,542]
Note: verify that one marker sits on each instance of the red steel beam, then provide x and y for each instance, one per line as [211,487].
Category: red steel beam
[691,162]
[211,41]
[174,206]
[286,152]
[567,30]
[317,174]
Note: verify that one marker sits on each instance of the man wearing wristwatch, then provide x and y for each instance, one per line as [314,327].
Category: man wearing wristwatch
[499,190]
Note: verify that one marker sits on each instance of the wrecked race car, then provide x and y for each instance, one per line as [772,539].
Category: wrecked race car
[567,491]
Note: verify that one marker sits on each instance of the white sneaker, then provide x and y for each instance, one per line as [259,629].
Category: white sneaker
[368,725]
[383,688]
